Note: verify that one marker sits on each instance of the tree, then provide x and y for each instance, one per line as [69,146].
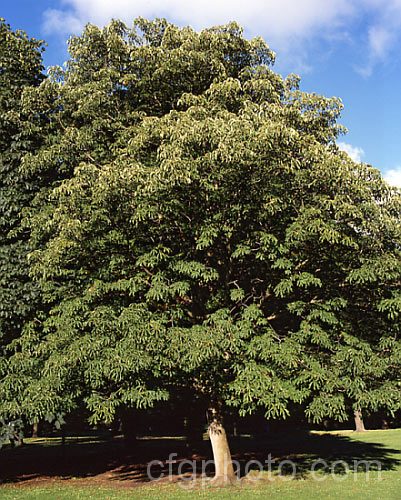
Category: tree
[359,423]
[115,78]
[220,242]
[20,69]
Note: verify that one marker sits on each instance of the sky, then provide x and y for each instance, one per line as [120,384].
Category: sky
[344,48]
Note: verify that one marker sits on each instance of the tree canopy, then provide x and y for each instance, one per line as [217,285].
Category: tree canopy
[198,227]
[20,69]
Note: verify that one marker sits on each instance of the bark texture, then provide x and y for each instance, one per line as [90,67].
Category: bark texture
[35,429]
[359,425]
[224,470]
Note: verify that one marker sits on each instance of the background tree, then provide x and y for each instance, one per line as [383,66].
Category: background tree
[20,69]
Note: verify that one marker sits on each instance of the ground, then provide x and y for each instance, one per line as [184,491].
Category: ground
[91,467]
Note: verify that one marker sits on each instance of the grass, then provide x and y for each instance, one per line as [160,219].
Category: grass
[303,450]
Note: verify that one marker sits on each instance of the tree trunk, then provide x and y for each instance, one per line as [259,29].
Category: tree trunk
[235,429]
[224,470]
[359,425]
[35,429]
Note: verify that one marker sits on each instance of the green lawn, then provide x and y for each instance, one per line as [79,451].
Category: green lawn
[373,445]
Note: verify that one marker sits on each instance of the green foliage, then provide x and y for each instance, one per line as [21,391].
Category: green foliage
[11,432]
[20,70]
[197,226]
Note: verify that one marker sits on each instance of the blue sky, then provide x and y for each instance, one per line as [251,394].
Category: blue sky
[346,48]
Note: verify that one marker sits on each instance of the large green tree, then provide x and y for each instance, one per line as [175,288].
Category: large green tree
[115,77]
[205,231]
[20,69]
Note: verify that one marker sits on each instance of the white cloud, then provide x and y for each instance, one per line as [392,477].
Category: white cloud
[287,25]
[63,23]
[354,152]
[272,17]
[380,40]
[290,26]
[382,34]
[393,176]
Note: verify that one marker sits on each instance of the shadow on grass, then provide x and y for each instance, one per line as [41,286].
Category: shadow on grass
[113,460]
[300,453]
